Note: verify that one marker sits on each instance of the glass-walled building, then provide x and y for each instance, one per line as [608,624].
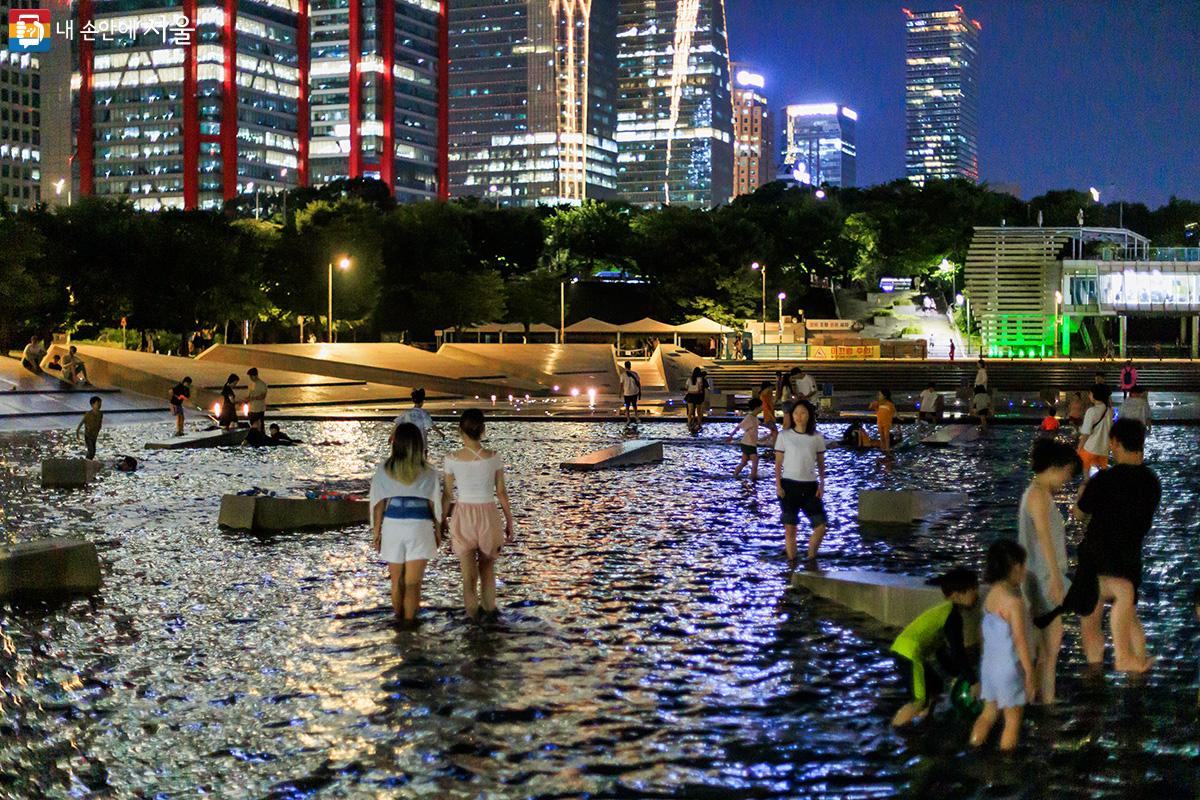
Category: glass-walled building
[674,107]
[531,100]
[383,124]
[20,129]
[188,105]
[941,108]
[753,164]
[819,145]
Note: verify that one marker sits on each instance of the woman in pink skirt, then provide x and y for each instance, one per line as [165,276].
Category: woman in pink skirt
[476,531]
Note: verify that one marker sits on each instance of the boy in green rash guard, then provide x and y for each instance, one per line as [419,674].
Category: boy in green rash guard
[934,639]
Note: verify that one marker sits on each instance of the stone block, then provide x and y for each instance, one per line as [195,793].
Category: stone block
[894,600]
[903,507]
[263,513]
[953,435]
[68,473]
[48,569]
[219,438]
[626,454]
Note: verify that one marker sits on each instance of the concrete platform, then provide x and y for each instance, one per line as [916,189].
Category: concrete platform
[626,454]
[903,507]
[68,473]
[894,600]
[221,438]
[383,363]
[579,366]
[262,513]
[948,435]
[48,569]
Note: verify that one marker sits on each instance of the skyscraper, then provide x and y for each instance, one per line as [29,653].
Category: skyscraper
[674,109]
[531,111]
[383,123]
[190,105]
[753,162]
[20,118]
[942,95]
[819,144]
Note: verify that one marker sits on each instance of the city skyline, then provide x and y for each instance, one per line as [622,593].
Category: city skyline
[854,52]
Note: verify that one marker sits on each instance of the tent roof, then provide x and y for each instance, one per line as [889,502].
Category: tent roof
[592,325]
[647,325]
[702,325]
[510,327]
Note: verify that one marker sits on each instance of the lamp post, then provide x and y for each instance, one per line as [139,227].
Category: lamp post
[343,264]
[781,296]
[762,268]
[1058,298]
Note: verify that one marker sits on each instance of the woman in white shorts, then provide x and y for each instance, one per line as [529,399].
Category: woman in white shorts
[406,511]
[476,530]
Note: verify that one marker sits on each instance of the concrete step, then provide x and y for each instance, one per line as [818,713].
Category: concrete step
[264,513]
[638,451]
[894,600]
[953,435]
[220,438]
[48,569]
[68,473]
[905,506]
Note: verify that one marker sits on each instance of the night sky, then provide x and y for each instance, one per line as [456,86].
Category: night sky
[1072,92]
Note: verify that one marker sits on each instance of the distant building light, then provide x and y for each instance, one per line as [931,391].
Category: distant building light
[849,113]
[747,78]
[813,110]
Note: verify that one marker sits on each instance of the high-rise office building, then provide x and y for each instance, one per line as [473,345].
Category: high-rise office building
[190,105]
[531,100]
[20,117]
[383,123]
[58,142]
[674,109]
[753,161]
[819,146]
[941,95]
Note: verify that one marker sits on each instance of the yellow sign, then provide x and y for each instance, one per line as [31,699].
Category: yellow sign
[839,351]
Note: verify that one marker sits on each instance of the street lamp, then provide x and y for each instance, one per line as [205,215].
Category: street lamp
[820,194]
[343,264]
[1095,193]
[763,269]
[562,308]
[781,296]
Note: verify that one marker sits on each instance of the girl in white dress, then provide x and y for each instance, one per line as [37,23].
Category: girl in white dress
[476,474]
[406,513]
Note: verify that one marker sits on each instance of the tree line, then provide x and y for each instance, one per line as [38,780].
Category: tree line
[415,268]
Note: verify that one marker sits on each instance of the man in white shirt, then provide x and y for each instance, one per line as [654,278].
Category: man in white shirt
[631,390]
[981,376]
[929,405]
[258,400]
[73,369]
[802,385]
[32,355]
[417,415]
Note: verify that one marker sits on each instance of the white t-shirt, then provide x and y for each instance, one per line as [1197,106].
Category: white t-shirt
[258,395]
[427,485]
[804,386]
[1097,422]
[475,480]
[981,402]
[928,401]
[981,377]
[749,427]
[34,353]
[629,383]
[1136,408]
[799,454]
[697,386]
[419,417]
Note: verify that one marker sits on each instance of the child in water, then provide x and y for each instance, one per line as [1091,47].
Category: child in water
[748,427]
[1050,423]
[1007,667]
[981,406]
[932,640]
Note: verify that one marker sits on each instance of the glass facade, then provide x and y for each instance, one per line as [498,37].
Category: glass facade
[531,114]
[819,145]
[942,95]
[190,105]
[392,48]
[674,105]
[20,121]
[752,159]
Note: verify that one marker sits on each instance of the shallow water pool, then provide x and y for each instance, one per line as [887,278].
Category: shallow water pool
[649,645]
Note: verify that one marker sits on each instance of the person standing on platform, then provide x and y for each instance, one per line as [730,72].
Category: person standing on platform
[631,391]
[981,406]
[90,426]
[180,394]
[885,413]
[228,416]
[257,396]
[981,375]
[929,405]
[800,477]
[32,355]
[1129,378]
[803,385]
[1137,406]
[1093,433]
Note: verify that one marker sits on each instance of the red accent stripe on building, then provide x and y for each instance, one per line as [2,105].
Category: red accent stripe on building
[443,157]
[354,168]
[302,112]
[191,114]
[85,138]
[387,159]
[229,104]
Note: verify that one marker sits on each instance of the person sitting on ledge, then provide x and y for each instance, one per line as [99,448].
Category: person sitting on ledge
[55,363]
[74,371]
[32,355]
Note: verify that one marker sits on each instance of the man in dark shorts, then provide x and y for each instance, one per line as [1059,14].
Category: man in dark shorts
[631,390]
[257,398]
[180,393]
[1121,502]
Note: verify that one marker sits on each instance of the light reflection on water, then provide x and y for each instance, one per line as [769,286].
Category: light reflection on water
[649,646]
